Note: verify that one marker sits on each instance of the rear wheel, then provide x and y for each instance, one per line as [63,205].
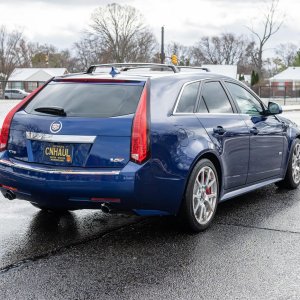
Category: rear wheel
[201,196]
[292,176]
[6,97]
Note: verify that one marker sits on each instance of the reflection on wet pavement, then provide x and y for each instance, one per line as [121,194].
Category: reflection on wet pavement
[27,232]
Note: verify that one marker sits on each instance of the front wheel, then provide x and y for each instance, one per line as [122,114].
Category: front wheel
[201,196]
[292,176]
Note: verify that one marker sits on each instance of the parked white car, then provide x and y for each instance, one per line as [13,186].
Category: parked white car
[15,94]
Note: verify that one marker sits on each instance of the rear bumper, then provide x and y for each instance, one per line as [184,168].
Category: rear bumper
[75,188]
[133,188]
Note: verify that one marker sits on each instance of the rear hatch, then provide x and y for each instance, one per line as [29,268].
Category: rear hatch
[77,123]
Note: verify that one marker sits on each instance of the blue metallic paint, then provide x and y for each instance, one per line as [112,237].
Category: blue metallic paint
[109,131]
[177,142]
[266,146]
[232,146]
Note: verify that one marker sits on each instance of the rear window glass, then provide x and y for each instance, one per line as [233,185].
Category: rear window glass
[88,99]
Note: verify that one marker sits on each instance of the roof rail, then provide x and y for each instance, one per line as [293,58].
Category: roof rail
[193,68]
[130,66]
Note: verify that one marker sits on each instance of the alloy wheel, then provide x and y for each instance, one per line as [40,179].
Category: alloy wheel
[296,164]
[205,195]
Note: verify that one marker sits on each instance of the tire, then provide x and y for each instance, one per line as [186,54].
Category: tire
[6,97]
[292,176]
[199,206]
[50,209]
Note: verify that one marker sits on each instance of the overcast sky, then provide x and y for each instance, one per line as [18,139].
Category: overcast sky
[61,22]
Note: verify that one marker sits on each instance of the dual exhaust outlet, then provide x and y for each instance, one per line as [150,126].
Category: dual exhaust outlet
[105,208]
[11,196]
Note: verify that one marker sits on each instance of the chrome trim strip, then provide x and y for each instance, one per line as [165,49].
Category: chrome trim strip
[55,171]
[247,189]
[77,139]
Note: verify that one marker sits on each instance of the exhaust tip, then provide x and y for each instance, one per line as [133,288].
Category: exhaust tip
[105,208]
[10,195]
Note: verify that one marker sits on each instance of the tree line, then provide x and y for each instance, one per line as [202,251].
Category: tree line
[118,33]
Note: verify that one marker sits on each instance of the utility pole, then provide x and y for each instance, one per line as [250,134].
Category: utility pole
[162,52]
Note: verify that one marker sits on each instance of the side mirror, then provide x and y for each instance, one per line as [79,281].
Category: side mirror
[274,108]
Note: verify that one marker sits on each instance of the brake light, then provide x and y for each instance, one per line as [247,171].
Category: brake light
[140,131]
[7,121]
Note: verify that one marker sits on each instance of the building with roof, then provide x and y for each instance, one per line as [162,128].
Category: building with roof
[226,70]
[289,78]
[29,79]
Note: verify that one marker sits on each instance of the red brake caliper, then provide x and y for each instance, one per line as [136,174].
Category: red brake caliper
[208,190]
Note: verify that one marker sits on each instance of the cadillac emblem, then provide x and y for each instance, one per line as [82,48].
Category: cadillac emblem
[55,127]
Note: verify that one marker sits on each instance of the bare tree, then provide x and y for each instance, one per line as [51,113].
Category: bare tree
[207,51]
[122,33]
[224,49]
[246,64]
[271,23]
[182,52]
[89,51]
[47,55]
[13,53]
[287,53]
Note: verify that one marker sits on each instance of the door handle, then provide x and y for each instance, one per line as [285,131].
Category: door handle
[254,130]
[219,130]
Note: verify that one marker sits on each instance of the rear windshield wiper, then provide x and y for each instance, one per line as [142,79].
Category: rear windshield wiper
[52,110]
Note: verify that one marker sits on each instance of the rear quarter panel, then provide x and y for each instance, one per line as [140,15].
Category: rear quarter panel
[177,141]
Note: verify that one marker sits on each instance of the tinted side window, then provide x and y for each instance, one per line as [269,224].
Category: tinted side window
[215,98]
[188,98]
[247,103]
[202,107]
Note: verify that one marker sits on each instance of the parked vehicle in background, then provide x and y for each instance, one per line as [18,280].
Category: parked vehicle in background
[147,139]
[15,94]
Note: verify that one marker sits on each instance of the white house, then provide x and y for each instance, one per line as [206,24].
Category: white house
[29,79]
[288,78]
[226,70]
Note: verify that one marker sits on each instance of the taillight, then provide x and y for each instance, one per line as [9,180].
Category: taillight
[7,121]
[140,131]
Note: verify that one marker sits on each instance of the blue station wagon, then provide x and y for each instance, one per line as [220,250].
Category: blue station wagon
[147,139]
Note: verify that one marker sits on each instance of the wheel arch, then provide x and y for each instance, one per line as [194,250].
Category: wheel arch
[296,137]
[217,164]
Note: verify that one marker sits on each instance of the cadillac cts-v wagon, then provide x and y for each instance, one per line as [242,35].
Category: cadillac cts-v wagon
[147,141]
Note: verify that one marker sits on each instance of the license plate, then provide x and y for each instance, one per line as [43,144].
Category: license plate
[58,153]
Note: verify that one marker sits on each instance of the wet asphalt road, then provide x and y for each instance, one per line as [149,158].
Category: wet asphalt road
[252,251]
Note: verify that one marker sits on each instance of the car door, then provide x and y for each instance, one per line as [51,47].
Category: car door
[267,139]
[227,130]
[18,94]
[8,93]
